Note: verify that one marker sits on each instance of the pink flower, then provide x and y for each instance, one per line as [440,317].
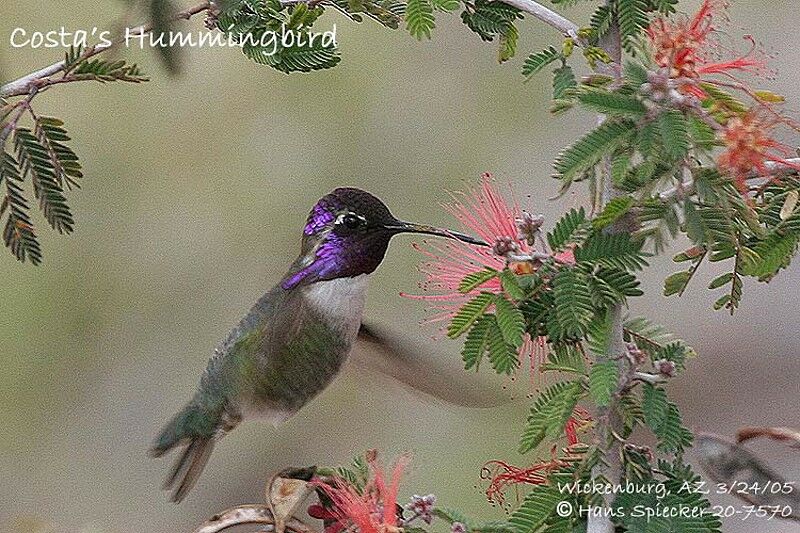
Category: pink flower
[371,510]
[750,144]
[485,212]
[685,47]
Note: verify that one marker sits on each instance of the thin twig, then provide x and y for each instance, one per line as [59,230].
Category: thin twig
[546,15]
[24,84]
[609,422]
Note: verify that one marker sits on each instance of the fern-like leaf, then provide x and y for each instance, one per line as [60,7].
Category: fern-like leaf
[419,18]
[510,321]
[18,235]
[572,228]
[612,103]
[674,134]
[603,382]
[550,412]
[468,314]
[502,356]
[475,342]
[590,149]
[536,62]
[573,304]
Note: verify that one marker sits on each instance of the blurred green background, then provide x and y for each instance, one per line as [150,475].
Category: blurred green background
[196,190]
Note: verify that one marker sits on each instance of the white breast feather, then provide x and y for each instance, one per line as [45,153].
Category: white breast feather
[341,301]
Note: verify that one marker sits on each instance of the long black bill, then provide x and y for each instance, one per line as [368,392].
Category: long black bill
[409,227]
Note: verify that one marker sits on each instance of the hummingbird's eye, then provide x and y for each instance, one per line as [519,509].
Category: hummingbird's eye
[352,221]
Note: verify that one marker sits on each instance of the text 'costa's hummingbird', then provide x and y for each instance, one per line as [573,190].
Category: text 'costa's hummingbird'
[294,340]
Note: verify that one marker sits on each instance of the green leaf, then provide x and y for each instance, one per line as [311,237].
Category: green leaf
[445,5]
[674,134]
[599,335]
[573,304]
[623,283]
[571,228]
[719,281]
[563,81]
[306,58]
[649,336]
[489,19]
[510,321]
[615,209]
[676,283]
[511,286]
[38,163]
[565,357]
[612,250]
[612,103]
[550,413]
[603,382]
[508,44]
[468,314]
[635,74]
[539,504]
[673,437]
[592,147]
[773,253]
[18,235]
[601,20]
[536,62]
[502,356]
[476,279]
[475,343]
[632,16]
[655,406]
[419,18]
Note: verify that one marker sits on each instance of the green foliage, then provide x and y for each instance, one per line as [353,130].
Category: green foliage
[603,379]
[539,504]
[611,103]
[572,228]
[419,18]
[476,279]
[510,321]
[613,211]
[494,19]
[565,357]
[674,134]
[468,314]
[573,305]
[591,148]
[652,338]
[511,285]
[550,412]
[501,353]
[563,81]
[538,61]
[613,250]
[632,16]
[664,420]
[475,343]
[39,165]
[18,234]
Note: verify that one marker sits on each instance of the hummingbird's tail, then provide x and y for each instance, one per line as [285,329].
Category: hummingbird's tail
[195,429]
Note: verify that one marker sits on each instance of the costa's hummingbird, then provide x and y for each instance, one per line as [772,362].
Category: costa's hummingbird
[293,342]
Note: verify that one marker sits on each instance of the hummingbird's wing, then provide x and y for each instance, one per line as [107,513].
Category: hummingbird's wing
[381,350]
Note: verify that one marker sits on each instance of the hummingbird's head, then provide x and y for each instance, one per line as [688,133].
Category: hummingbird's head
[347,233]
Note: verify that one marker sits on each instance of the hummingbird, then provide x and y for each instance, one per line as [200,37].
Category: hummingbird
[294,340]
